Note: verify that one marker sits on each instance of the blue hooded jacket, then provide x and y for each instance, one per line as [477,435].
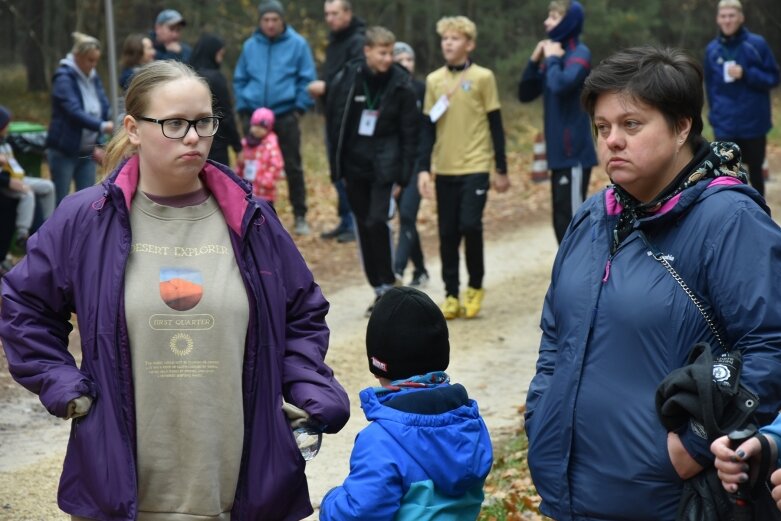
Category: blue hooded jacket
[613,327]
[274,73]
[568,136]
[408,466]
[740,109]
[68,115]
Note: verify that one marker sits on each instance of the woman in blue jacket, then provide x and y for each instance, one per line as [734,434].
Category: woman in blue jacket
[197,317]
[615,322]
[80,116]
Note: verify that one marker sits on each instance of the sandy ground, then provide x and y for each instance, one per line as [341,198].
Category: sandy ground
[492,355]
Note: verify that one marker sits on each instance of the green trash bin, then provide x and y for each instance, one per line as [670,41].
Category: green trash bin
[29,143]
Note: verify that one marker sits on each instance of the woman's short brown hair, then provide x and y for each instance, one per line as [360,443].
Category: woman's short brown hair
[669,80]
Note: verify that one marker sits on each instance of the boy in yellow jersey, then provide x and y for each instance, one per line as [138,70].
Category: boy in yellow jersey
[466,137]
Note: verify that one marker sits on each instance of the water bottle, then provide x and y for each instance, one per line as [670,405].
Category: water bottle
[308,440]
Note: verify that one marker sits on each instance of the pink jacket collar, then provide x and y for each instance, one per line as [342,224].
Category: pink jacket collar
[231,198]
[614,207]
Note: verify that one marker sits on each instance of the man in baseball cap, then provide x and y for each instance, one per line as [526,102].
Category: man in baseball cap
[167,34]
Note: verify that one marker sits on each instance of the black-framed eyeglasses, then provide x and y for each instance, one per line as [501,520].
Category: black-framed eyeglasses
[177,128]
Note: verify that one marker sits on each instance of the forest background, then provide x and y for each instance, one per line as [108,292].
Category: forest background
[36,33]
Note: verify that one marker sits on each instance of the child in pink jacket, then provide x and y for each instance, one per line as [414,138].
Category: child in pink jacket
[260,161]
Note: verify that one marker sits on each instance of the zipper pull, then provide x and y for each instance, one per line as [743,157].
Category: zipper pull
[607,271]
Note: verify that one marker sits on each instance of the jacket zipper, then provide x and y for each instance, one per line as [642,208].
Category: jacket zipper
[121,359]
[340,141]
[265,86]
[238,244]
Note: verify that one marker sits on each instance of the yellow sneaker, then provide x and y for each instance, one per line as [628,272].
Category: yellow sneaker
[451,308]
[473,302]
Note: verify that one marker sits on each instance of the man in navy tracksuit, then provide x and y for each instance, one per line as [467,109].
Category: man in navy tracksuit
[740,70]
[557,69]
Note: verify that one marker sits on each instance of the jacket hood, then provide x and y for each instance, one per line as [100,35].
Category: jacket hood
[571,25]
[453,447]
[357,25]
[232,193]
[205,51]
[70,64]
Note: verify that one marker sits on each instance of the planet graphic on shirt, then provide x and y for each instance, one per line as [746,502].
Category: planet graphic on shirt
[181,288]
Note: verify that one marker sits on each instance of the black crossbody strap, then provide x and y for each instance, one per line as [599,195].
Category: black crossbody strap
[656,254]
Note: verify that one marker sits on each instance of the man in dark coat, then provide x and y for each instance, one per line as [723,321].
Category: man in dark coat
[345,43]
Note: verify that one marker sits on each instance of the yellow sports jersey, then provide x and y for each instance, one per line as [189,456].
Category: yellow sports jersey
[463,144]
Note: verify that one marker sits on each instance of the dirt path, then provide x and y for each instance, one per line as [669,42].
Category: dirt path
[493,356]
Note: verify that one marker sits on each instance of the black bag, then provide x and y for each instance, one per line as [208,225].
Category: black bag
[703,498]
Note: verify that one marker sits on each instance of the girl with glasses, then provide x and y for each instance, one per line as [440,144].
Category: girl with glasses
[198,319]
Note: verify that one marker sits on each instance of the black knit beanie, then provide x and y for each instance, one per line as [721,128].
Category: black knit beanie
[406,336]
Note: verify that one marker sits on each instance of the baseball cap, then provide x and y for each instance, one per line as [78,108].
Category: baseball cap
[170,17]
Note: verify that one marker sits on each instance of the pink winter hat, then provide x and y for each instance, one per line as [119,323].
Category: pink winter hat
[263,117]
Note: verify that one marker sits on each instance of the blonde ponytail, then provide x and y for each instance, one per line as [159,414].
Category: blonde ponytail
[117,150]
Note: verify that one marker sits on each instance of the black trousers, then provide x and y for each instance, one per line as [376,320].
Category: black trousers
[370,203]
[568,191]
[289,135]
[408,247]
[752,153]
[460,203]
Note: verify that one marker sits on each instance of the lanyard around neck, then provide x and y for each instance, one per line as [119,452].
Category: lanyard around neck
[460,80]
[371,103]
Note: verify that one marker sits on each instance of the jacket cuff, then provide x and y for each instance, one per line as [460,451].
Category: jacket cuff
[696,443]
[771,431]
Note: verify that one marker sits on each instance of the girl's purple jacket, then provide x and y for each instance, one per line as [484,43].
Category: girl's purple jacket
[76,264]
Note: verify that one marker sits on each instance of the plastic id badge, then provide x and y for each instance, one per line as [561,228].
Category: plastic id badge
[727,65]
[250,170]
[439,108]
[368,122]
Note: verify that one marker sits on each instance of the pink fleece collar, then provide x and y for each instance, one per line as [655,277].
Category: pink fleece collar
[614,207]
[230,196]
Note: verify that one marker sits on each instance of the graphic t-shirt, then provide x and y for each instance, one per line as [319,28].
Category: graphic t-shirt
[463,143]
[187,314]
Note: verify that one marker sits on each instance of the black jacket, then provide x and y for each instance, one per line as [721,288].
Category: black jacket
[203,60]
[388,155]
[343,47]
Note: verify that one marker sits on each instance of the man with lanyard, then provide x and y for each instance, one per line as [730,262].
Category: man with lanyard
[740,70]
[466,137]
[372,121]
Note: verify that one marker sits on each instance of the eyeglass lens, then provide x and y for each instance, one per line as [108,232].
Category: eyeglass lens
[178,128]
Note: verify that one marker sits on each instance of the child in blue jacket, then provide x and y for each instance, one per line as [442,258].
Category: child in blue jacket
[426,453]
